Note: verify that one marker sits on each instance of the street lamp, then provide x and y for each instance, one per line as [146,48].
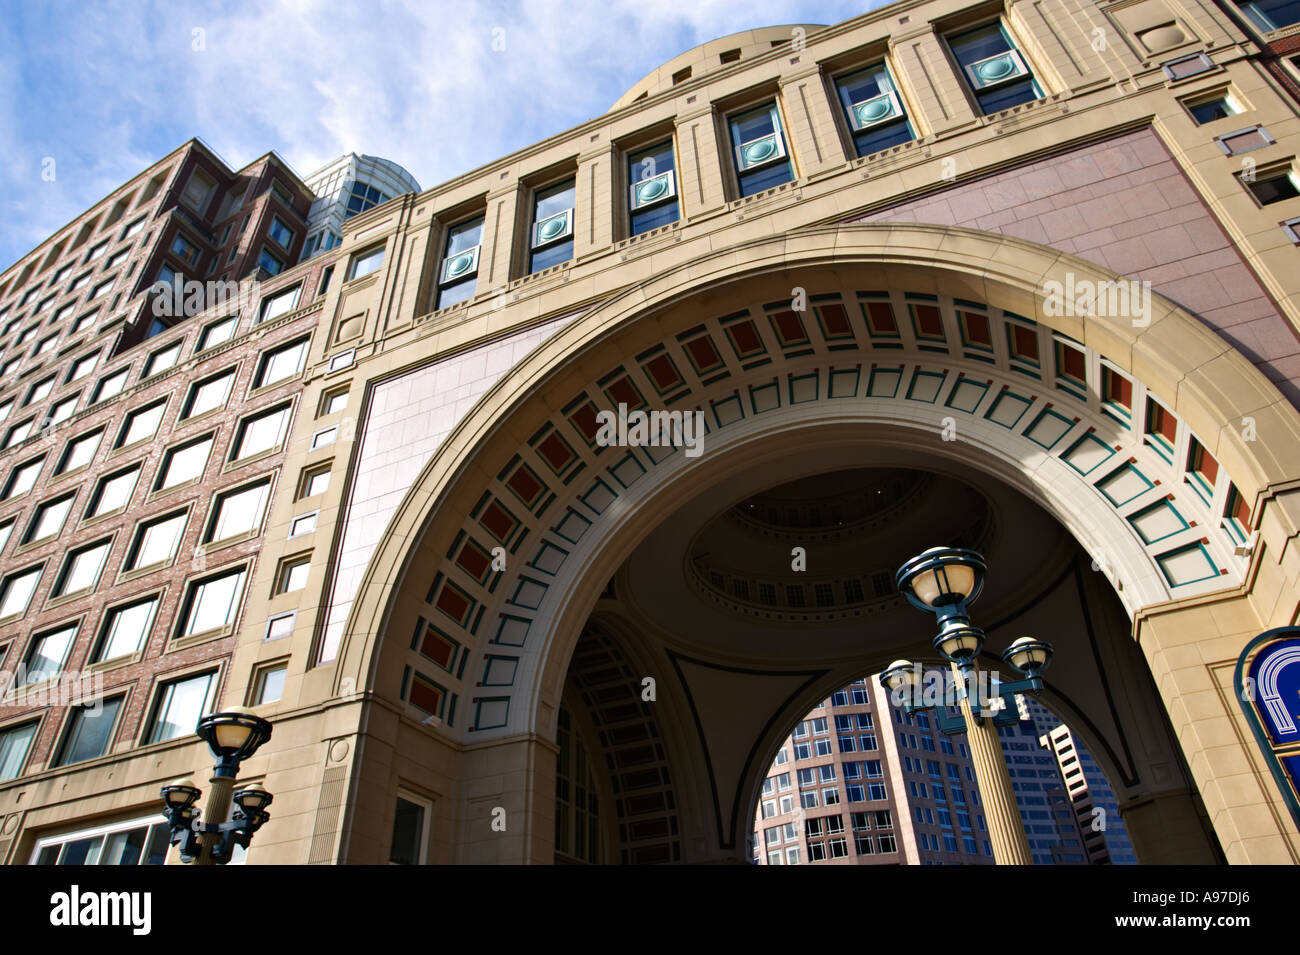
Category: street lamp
[232,735]
[945,581]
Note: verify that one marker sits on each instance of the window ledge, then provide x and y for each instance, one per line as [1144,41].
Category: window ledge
[115,663]
[194,639]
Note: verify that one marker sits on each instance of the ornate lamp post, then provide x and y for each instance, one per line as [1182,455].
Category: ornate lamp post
[945,581]
[233,735]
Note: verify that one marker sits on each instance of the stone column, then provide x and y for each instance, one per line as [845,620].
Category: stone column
[1006,829]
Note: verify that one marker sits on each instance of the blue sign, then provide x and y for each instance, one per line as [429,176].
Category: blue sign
[1270,698]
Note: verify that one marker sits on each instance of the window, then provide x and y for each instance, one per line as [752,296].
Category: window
[281,625]
[458,273]
[410,831]
[1218,106]
[993,69]
[110,386]
[1270,15]
[15,743]
[126,629]
[85,321]
[238,512]
[133,228]
[268,687]
[16,591]
[19,432]
[334,402]
[1202,468]
[185,250]
[40,391]
[102,288]
[64,409]
[280,233]
[363,197]
[213,603]
[266,260]
[758,149]
[180,704]
[315,482]
[95,252]
[161,360]
[260,433]
[139,842]
[306,524]
[552,228]
[279,304]
[88,732]
[652,191]
[80,451]
[83,367]
[46,657]
[209,394]
[218,332]
[324,437]
[365,263]
[874,110]
[141,424]
[113,492]
[6,528]
[156,541]
[82,569]
[1272,186]
[281,363]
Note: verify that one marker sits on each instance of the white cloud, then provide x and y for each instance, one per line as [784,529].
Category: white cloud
[110,89]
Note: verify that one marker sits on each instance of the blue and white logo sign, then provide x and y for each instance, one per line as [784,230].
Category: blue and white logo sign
[1275,675]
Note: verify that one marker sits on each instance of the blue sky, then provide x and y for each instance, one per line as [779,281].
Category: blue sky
[106,89]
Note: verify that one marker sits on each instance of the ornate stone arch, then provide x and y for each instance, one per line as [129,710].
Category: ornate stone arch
[524,439]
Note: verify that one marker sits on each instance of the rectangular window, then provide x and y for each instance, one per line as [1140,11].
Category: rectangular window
[458,271]
[126,629]
[1202,469]
[110,387]
[79,452]
[212,604]
[281,363]
[19,433]
[410,832]
[113,492]
[49,519]
[83,367]
[141,425]
[268,687]
[82,569]
[88,733]
[218,332]
[209,394]
[315,482]
[139,842]
[281,233]
[266,260]
[279,304]
[40,391]
[64,409]
[260,433]
[16,591]
[180,705]
[161,360]
[758,149]
[156,541]
[184,463]
[185,250]
[47,656]
[364,263]
[1276,185]
[238,512]
[874,110]
[1270,15]
[552,229]
[15,743]
[993,68]
[1217,106]
[306,524]
[652,192]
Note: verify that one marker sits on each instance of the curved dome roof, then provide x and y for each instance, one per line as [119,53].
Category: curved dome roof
[707,57]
